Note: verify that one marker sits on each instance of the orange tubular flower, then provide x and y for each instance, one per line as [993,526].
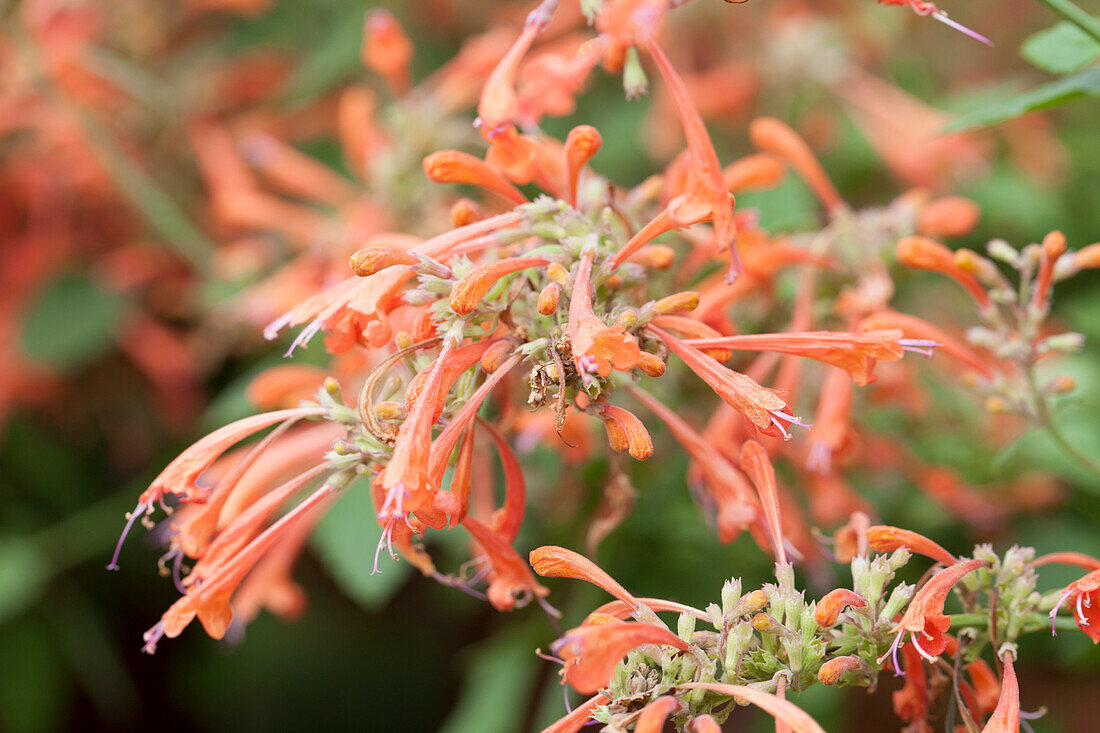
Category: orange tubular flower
[387,51]
[597,347]
[917,328]
[755,463]
[178,477]
[706,188]
[853,352]
[1054,246]
[922,253]
[551,561]
[1079,559]
[369,260]
[925,616]
[453,166]
[703,724]
[636,437]
[468,291]
[453,367]
[829,608]
[445,442]
[210,601]
[405,480]
[832,424]
[1006,717]
[731,491]
[781,710]
[757,171]
[776,137]
[987,689]
[951,216]
[510,578]
[762,407]
[911,701]
[507,520]
[591,653]
[1087,615]
[582,143]
[657,226]
[654,714]
[884,538]
[578,718]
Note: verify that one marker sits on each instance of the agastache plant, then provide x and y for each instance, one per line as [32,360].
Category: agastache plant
[551,293]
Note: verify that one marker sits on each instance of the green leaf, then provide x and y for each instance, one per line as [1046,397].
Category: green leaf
[1060,49]
[494,683]
[346,540]
[1082,84]
[71,322]
[23,574]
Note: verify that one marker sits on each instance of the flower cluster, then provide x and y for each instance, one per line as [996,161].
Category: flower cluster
[555,299]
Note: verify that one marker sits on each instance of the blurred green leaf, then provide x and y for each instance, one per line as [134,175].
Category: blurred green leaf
[32,680]
[1060,49]
[23,574]
[495,686]
[71,322]
[1082,84]
[346,540]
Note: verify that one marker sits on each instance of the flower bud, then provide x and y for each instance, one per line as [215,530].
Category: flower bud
[651,364]
[654,256]
[829,608]
[1062,384]
[390,411]
[548,299]
[370,260]
[496,355]
[677,303]
[465,212]
[557,272]
[831,672]
[952,216]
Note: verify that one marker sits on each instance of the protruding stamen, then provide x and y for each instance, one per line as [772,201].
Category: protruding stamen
[892,652]
[139,511]
[1082,619]
[1054,611]
[942,17]
[924,347]
[151,637]
[920,649]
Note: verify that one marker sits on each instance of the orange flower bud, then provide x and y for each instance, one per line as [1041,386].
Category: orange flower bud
[884,538]
[557,272]
[386,50]
[829,608]
[951,216]
[654,256]
[370,260]
[496,355]
[776,137]
[652,719]
[831,672]
[651,364]
[924,254]
[548,299]
[551,561]
[626,432]
[453,166]
[581,144]
[1087,257]
[1054,246]
[677,303]
[753,172]
[468,291]
[465,211]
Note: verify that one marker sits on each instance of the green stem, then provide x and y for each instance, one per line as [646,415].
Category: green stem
[963,620]
[1075,15]
[1069,448]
